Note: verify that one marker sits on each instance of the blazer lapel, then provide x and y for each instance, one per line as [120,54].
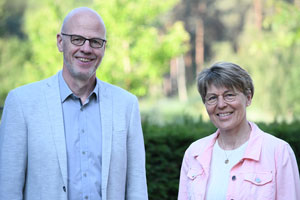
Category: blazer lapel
[52,95]
[106,120]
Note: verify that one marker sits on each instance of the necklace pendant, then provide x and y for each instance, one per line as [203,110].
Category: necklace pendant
[226,161]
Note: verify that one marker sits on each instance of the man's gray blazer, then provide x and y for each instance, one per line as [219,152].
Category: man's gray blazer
[33,159]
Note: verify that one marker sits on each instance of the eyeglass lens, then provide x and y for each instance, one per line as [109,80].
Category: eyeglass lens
[79,40]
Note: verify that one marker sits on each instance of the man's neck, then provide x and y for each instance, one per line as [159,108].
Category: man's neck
[81,88]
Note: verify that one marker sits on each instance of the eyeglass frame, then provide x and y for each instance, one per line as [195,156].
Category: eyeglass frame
[225,98]
[85,39]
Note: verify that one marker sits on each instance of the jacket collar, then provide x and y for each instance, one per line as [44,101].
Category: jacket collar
[254,147]
[252,151]
[52,96]
[53,99]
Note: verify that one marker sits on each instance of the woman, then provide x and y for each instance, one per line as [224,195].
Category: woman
[239,161]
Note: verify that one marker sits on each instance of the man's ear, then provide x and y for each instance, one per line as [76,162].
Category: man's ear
[59,42]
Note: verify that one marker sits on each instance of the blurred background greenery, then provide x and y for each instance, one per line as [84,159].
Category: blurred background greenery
[156,48]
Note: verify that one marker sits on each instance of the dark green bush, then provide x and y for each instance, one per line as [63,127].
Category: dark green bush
[166,144]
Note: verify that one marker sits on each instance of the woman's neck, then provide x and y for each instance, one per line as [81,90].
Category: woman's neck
[232,139]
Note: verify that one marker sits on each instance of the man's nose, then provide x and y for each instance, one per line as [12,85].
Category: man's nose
[86,48]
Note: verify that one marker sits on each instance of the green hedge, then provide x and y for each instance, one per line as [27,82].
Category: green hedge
[165,146]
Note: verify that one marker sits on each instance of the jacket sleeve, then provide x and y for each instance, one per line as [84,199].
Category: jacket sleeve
[183,191]
[136,186]
[13,149]
[287,174]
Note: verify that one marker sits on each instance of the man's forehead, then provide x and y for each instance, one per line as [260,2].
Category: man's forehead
[82,16]
[82,11]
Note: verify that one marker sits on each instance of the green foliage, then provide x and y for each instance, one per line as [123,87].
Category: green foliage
[271,57]
[1,7]
[11,12]
[13,52]
[137,54]
[13,46]
[141,42]
[282,42]
[43,21]
[166,144]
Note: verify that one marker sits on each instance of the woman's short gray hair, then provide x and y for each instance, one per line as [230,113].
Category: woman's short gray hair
[225,74]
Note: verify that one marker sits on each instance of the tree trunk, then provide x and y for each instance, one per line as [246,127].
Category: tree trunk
[199,45]
[257,5]
[297,3]
[181,80]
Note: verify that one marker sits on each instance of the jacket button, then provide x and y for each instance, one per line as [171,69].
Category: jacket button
[64,188]
[257,180]
[233,178]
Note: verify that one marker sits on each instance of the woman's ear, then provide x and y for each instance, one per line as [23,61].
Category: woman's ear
[248,99]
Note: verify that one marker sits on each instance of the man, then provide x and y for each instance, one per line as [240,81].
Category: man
[72,136]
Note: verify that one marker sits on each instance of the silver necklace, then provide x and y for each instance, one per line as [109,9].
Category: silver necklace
[227,156]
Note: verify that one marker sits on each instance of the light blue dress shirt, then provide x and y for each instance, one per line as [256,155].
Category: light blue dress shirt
[82,123]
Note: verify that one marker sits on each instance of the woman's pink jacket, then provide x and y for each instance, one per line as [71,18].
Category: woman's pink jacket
[267,171]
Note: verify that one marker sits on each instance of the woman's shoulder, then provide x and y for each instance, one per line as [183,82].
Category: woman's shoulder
[204,140]
[269,140]
[264,134]
[200,145]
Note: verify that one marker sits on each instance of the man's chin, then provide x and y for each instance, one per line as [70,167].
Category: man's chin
[84,76]
[81,74]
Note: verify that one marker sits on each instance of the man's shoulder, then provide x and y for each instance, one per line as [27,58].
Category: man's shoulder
[34,87]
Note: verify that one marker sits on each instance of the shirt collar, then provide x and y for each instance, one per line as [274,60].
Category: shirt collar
[65,91]
[95,91]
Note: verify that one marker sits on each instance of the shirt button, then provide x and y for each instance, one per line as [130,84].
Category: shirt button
[233,178]
[82,130]
[84,174]
[81,109]
[83,152]
[257,180]
[86,197]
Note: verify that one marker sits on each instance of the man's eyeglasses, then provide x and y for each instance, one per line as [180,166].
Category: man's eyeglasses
[79,40]
[228,97]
